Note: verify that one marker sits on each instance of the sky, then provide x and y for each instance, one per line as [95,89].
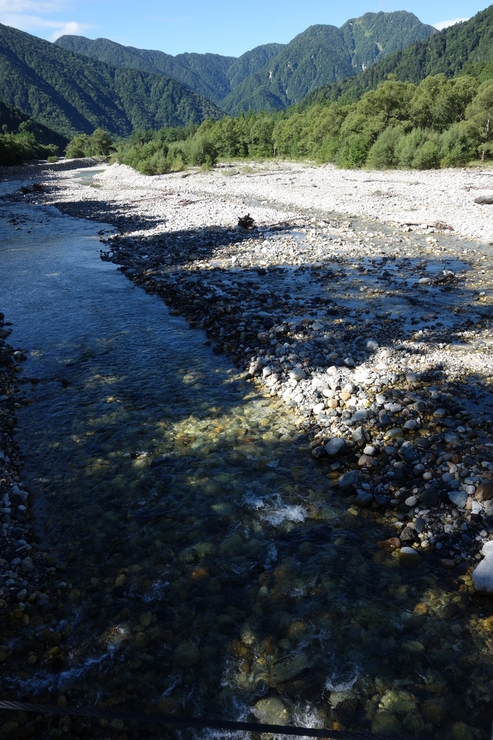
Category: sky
[228,27]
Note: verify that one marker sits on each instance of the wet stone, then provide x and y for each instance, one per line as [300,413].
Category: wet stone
[349,480]
[335,447]
[288,667]
[186,654]
[271,711]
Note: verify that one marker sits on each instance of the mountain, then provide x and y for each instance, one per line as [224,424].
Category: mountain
[71,93]
[324,54]
[11,118]
[272,76]
[211,75]
[463,48]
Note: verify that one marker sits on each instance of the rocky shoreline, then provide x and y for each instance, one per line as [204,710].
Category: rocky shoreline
[28,572]
[377,336]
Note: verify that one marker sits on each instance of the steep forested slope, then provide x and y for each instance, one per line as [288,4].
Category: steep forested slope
[12,118]
[324,54]
[461,48]
[211,75]
[71,93]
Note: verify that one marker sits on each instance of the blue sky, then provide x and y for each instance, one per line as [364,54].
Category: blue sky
[228,27]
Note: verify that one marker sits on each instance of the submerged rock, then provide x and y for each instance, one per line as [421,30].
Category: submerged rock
[287,668]
[271,711]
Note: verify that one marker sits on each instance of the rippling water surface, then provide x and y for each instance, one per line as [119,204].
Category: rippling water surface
[208,565]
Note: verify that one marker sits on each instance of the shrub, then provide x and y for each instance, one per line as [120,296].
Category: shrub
[353,151]
[201,151]
[78,147]
[408,145]
[457,146]
[383,152]
[427,156]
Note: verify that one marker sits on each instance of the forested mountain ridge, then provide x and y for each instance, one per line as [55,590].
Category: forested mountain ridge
[323,54]
[71,93]
[212,75]
[272,76]
[463,48]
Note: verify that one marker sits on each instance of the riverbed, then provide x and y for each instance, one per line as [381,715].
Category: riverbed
[211,562]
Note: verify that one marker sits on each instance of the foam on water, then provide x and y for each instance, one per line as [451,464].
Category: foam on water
[342,680]
[285,513]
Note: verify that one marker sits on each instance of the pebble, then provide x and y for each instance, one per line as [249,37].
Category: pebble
[335,447]
[459,498]
[349,480]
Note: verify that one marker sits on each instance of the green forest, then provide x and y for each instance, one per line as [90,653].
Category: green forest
[439,123]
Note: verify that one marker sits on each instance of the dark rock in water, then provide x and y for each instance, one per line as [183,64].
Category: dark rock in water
[147,514]
[160,461]
[336,446]
[408,536]
[363,499]
[349,480]
[318,453]
[382,500]
[317,533]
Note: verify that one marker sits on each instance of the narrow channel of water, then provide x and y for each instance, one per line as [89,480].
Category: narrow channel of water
[209,568]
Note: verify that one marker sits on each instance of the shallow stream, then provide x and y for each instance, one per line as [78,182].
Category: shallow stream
[207,564]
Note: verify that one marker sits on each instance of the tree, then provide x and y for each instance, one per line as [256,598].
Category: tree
[100,143]
[439,102]
[480,113]
[78,147]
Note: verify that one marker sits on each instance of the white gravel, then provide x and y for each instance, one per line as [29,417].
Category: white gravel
[396,196]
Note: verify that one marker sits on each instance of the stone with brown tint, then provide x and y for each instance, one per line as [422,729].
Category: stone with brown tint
[484,492]
[393,543]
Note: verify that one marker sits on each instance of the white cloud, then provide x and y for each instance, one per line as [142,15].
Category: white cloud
[20,7]
[445,24]
[39,16]
[72,28]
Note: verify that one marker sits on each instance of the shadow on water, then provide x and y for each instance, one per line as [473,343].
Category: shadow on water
[208,562]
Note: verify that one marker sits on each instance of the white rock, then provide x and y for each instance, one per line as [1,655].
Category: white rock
[482,576]
[297,373]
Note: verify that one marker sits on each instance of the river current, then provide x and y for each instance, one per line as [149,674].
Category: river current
[209,569]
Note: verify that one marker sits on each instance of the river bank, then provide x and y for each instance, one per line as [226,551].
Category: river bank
[376,337]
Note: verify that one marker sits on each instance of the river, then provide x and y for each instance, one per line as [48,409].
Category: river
[208,568]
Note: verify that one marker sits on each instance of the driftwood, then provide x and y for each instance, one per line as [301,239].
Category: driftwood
[440,225]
